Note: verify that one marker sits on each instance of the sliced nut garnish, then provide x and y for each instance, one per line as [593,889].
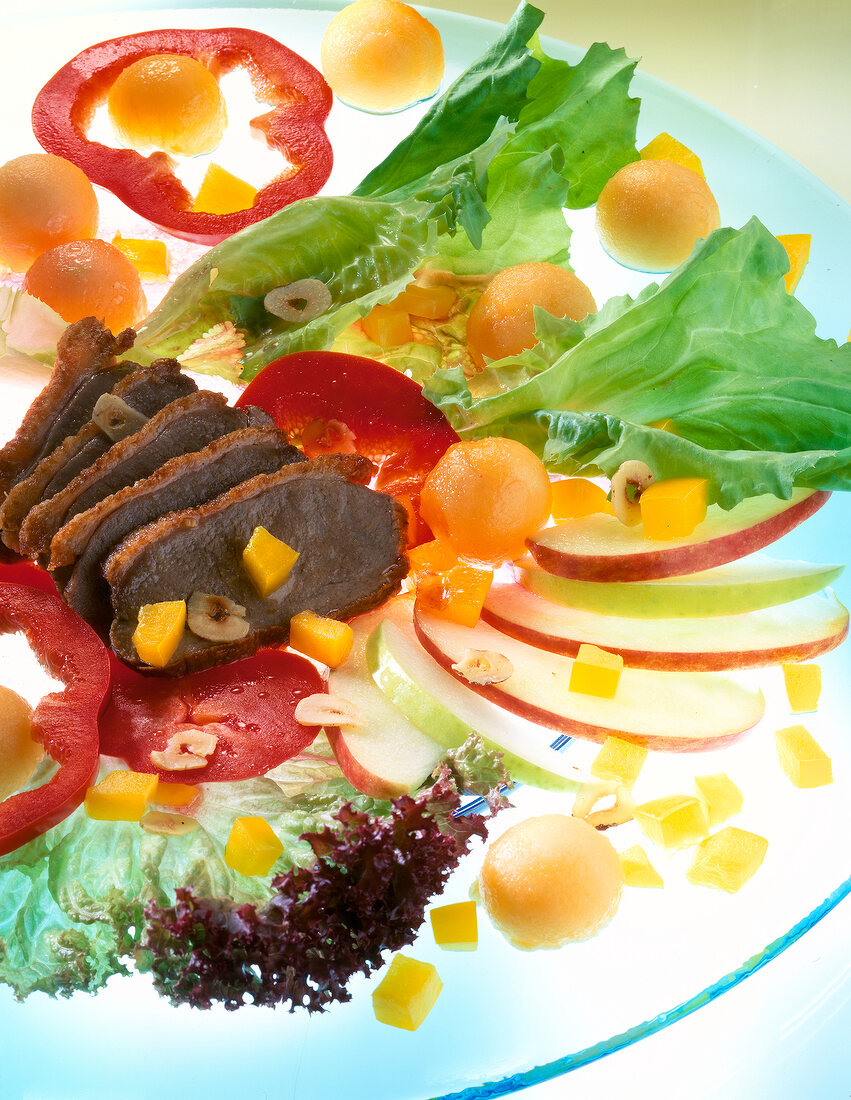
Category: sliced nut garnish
[483,666]
[116,418]
[216,618]
[158,821]
[303,300]
[593,792]
[628,483]
[323,709]
[185,750]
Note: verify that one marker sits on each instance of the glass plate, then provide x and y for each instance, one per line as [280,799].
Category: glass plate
[505,1019]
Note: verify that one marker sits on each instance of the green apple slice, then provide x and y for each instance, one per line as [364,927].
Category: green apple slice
[748,584]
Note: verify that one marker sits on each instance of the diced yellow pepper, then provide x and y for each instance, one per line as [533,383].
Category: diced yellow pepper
[407,993]
[637,868]
[595,671]
[664,425]
[457,595]
[576,497]
[727,859]
[178,795]
[325,640]
[455,926]
[223,193]
[252,847]
[722,797]
[430,558]
[797,247]
[121,796]
[432,302]
[802,758]
[665,147]
[268,561]
[387,326]
[159,630]
[675,821]
[672,509]
[149,257]
[619,760]
[803,687]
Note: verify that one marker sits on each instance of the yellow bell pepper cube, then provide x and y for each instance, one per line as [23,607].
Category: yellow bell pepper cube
[159,630]
[177,795]
[576,497]
[638,870]
[121,796]
[434,303]
[797,247]
[325,640]
[223,193]
[407,993]
[252,847]
[802,758]
[455,926]
[619,760]
[722,797]
[672,509]
[430,558]
[268,561]
[727,859]
[150,258]
[803,687]
[458,594]
[595,671]
[387,326]
[674,821]
[665,147]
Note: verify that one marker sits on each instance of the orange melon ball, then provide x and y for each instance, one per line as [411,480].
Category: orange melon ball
[19,754]
[485,497]
[550,880]
[381,56]
[44,201]
[502,322]
[651,214]
[168,102]
[88,279]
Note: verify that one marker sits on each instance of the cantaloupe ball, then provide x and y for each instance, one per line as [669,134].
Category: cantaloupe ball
[19,754]
[381,56]
[550,880]
[651,214]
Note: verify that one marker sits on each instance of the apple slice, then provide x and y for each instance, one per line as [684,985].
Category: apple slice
[662,710]
[601,548]
[797,631]
[388,756]
[748,584]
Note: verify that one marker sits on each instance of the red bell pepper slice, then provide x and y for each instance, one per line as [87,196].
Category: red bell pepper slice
[297,92]
[385,411]
[249,705]
[65,722]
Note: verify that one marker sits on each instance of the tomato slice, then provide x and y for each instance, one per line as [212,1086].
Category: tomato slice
[384,410]
[249,705]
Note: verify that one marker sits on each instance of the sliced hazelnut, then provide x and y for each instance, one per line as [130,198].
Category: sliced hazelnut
[323,709]
[185,750]
[628,483]
[158,821]
[116,418]
[216,618]
[595,791]
[484,666]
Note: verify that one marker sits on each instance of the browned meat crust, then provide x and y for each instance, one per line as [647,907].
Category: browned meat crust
[84,349]
[351,542]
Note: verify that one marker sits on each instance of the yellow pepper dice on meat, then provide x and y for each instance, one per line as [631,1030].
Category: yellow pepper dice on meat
[455,926]
[407,993]
[159,630]
[674,821]
[619,760]
[722,797]
[638,870]
[268,561]
[577,497]
[803,686]
[121,796]
[672,509]
[802,758]
[252,847]
[223,193]
[325,640]
[595,671]
[727,859]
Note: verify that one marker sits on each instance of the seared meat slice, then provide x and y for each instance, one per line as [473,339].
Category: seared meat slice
[183,426]
[145,389]
[350,540]
[80,547]
[85,368]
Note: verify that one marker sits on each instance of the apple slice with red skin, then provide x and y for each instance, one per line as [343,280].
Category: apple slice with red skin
[797,631]
[675,711]
[601,548]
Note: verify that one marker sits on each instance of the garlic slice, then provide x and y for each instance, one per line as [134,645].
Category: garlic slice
[323,709]
[185,750]
[628,483]
[303,300]
[483,666]
[595,791]
[115,418]
[216,618]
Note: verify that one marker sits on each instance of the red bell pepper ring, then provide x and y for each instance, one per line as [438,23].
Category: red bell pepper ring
[297,92]
[65,722]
